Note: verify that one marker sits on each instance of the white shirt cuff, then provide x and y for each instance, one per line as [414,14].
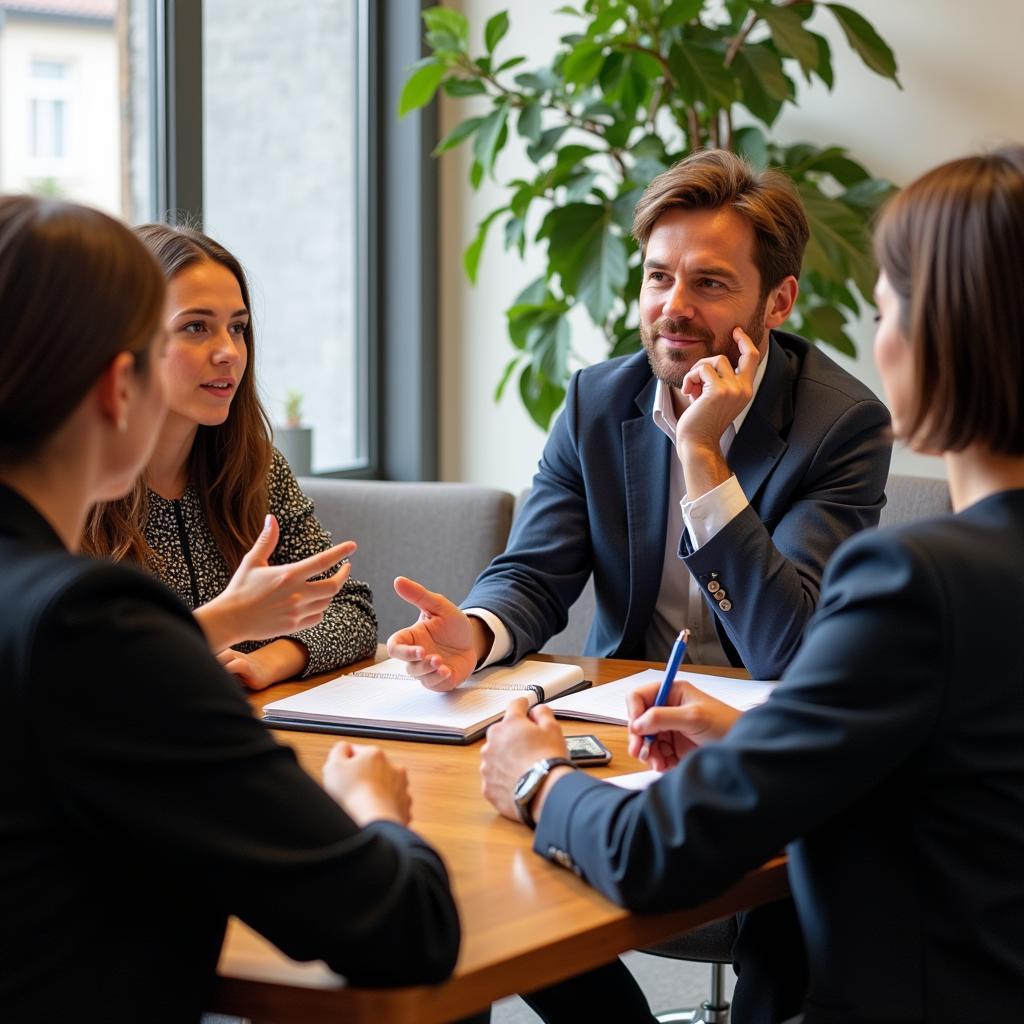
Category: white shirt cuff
[502,639]
[706,515]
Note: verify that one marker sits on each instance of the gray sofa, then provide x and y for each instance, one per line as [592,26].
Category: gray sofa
[444,534]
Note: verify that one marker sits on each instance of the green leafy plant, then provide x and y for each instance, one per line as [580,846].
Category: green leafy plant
[638,86]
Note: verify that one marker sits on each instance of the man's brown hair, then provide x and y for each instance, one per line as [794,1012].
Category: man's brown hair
[715,178]
[952,247]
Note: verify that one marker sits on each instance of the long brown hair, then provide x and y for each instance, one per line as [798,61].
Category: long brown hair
[76,289]
[951,246]
[228,463]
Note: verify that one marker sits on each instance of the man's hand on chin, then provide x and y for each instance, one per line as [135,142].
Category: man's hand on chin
[516,743]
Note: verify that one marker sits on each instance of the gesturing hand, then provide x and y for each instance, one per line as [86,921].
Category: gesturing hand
[367,785]
[442,647]
[689,719]
[263,601]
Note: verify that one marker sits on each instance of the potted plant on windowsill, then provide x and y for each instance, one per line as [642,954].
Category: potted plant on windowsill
[293,440]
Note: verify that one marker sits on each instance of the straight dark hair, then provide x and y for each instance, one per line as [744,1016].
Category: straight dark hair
[229,463]
[952,247]
[76,289]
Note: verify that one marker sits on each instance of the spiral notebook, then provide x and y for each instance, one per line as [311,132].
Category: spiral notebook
[385,701]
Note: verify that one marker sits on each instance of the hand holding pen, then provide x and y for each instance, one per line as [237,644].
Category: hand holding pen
[674,661]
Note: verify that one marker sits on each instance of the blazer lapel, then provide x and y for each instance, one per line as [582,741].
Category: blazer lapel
[761,441]
[646,453]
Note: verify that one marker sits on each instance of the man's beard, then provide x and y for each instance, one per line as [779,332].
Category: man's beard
[672,366]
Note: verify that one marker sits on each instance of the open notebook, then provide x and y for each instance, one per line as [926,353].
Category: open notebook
[608,703]
[384,701]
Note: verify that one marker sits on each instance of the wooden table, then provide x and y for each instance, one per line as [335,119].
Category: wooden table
[525,922]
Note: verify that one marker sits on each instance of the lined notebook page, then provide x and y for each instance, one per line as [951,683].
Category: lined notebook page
[385,695]
[608,703]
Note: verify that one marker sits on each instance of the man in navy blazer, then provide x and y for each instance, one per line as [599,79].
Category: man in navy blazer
[704,482]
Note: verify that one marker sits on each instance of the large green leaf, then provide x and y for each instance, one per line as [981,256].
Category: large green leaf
[460,87]
[679,12]
[826,323]
[445,19]
[490,138]
[420,87]
[458,134]
[866,41]
[582,66]
[530,122]
[548,346]
[540,397]
[840,245]
[700,75]
[789,34]
[471,257]
[749,142]
[495,30]
[765,86]
[587,254]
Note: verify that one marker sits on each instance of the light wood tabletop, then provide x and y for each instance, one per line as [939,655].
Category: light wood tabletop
[525,922]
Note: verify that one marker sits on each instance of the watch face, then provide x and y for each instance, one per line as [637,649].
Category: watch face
[526,784]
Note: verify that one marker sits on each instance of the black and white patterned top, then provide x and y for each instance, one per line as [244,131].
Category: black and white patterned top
[191,564]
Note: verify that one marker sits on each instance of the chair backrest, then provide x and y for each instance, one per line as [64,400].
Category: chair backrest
[441,534]
[914,497]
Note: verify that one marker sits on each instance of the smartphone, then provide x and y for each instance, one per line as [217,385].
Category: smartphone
[584,750]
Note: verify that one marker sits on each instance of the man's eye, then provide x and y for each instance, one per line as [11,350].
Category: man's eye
[655,275]
[711,283]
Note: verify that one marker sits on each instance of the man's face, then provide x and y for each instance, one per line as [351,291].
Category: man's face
[700,283]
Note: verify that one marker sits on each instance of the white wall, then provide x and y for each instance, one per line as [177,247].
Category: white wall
[963,82]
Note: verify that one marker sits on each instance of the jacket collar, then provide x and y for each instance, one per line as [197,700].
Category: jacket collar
[19,518]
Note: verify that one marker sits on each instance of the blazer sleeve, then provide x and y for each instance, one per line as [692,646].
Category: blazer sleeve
[548,559]
[158,758]
[864,694]
[348,630]
[771,571]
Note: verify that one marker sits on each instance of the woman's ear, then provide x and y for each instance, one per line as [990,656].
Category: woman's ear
[116,389]
[781,300]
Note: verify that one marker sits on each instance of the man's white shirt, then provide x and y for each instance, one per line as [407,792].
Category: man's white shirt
[680,603]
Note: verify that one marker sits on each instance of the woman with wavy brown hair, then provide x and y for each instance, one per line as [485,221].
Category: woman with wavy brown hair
[218,515]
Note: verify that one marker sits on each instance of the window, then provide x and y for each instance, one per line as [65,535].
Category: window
[280,90]
[74,114]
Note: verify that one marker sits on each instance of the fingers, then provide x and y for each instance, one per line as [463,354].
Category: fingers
[260,552]
[417,594]
[319,563]
[517,709]
[750,357]
[341,751]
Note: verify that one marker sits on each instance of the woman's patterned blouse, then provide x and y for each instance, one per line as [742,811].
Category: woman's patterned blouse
[191,564]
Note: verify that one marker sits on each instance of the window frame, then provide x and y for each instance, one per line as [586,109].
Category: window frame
[396,222]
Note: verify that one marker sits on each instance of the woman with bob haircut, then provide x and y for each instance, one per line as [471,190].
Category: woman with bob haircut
[890,758]
[218,503]
[141,801]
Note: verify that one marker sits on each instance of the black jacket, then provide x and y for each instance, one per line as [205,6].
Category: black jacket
[141,804]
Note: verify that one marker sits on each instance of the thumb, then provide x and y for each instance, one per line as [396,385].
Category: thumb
[259,554]
[417,594]
[655,720]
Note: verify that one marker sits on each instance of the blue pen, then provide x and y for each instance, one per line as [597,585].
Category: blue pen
[674,659]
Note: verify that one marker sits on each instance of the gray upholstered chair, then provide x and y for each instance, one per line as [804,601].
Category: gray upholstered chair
[441,534]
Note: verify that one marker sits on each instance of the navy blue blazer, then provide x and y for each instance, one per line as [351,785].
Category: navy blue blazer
[141,804]
[812,457]
[890,757]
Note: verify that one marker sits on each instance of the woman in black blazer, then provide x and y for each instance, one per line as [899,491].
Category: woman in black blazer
[140,801]
[890,758]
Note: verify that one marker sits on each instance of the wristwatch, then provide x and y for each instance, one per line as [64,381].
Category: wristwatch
[530,782]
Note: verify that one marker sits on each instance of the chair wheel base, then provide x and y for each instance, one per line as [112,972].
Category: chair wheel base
[703,1014]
